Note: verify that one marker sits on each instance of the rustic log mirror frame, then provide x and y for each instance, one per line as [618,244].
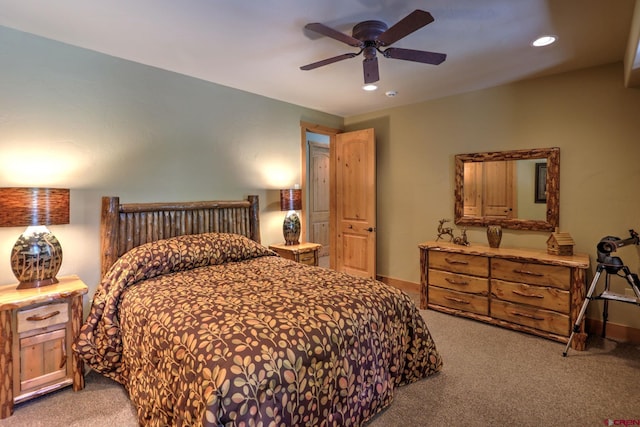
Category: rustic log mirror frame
[552,156]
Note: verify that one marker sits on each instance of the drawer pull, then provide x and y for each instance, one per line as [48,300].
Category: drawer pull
[528,316]
[456,261]
[524,294]
[458,300]
[37,318]
[456,282]
[530,273]
[64,357]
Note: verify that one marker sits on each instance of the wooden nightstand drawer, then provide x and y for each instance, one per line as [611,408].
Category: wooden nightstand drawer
[42,316]
[308,258]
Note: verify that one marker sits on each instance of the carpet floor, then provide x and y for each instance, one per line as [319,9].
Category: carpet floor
[491,377]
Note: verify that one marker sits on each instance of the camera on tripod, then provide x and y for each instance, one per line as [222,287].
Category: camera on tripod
[609,244]
[611,265]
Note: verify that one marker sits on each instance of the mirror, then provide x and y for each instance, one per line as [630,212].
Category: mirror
[517,189]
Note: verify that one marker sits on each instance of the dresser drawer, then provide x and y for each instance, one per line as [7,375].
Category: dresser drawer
[538,296]
[459,300]
[537,318]
[459,282]
[537,274]
[459,263]
[42,317]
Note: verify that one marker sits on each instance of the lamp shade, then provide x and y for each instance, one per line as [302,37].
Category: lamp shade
[20,206]
[291,199]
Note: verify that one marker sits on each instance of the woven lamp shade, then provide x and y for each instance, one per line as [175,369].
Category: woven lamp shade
[36,256]
[22,207]
[291,199]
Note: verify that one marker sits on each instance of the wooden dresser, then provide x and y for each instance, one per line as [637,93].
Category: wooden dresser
[522,289]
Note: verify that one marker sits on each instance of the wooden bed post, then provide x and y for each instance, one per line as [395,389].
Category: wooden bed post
[109,233]
[254,221]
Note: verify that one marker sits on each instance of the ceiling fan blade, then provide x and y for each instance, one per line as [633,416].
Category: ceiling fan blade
[370,67]
[407,25]
[328,61]
[330,32]
[415,55]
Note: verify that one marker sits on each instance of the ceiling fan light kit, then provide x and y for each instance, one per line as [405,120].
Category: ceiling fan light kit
[371,37]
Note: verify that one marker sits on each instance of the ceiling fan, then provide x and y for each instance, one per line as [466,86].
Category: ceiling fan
[372,36]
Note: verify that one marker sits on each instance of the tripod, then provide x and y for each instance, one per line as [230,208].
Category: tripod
[611,266]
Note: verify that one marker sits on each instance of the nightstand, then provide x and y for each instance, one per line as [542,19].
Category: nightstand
[37,328]
[304,253]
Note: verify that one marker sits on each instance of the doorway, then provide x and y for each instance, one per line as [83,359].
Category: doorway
[350,172]
[314,227]
[317,212]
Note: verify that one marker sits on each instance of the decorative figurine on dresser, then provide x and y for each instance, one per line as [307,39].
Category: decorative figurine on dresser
[448,231]
[444,231]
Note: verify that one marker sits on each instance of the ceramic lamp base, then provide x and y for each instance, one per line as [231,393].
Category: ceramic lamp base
[36,258]
[291,229]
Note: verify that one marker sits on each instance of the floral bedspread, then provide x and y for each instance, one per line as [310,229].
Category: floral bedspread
[215,329]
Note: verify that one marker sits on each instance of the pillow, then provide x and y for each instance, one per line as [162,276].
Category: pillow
[183,253]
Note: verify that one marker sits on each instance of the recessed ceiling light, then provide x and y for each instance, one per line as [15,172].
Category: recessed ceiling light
[391,93]
[544,41]
[369,87]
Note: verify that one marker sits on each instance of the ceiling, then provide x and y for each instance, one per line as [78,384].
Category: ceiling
[258,46]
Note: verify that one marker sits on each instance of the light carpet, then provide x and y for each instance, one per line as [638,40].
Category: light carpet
[491,377]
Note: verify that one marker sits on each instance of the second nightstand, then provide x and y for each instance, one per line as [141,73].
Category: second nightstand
[37,328]
[304,253]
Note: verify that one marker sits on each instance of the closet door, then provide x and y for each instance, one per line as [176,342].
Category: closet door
[319,196]
[472,189]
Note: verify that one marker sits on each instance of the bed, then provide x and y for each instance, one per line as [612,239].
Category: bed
[205,326]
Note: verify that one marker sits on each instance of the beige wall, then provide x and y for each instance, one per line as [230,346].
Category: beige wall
[103,126]
[588,114]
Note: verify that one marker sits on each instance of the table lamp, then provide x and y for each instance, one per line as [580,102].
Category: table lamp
[37,255]
[291,201]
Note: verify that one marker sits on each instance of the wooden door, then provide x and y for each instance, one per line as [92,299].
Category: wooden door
[499,189]
[319,196]
[355,203]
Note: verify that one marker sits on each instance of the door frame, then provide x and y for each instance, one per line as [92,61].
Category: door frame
[331,133]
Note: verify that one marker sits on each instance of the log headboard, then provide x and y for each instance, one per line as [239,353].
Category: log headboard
[125,226]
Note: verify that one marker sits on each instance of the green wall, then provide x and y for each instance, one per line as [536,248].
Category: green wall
[103,126]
